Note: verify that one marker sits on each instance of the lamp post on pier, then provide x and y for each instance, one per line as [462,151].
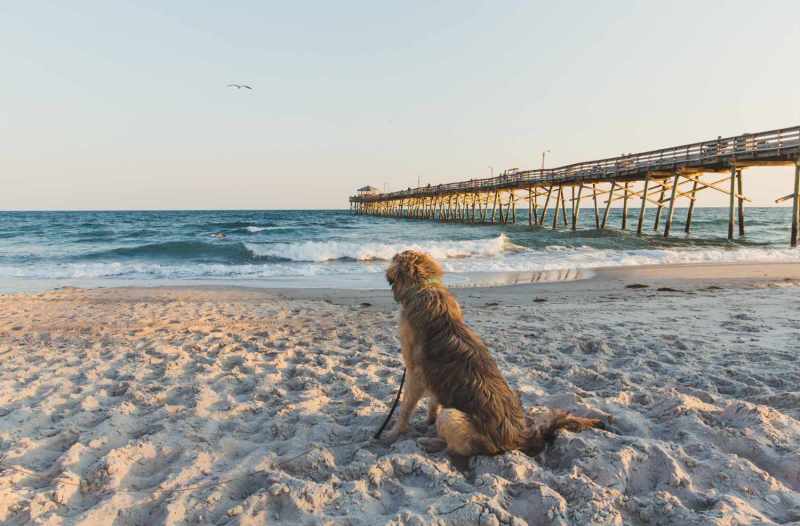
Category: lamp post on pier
[544,154]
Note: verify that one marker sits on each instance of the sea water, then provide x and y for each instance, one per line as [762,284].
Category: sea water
[329,248]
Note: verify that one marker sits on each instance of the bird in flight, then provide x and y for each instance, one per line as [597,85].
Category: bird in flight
[239,86]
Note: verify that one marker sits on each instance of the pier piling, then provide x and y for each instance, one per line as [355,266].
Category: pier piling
[555,210]
[671,209]
[608,204]
[691,207]
[795,207]
[741,201]
[644,205]
[732,202]
[625,207]
[576,214]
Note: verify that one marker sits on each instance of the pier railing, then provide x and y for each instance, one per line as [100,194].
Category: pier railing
[762,147]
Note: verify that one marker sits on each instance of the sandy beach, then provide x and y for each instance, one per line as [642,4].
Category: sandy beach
[142,406]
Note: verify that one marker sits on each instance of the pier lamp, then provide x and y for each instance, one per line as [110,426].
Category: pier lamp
[544,153]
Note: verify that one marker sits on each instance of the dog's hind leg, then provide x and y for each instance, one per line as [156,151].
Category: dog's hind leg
[455,428]
[414,389]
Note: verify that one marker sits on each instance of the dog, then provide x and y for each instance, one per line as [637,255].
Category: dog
[472,405]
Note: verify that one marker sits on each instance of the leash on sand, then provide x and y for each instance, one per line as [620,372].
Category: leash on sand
[394,405]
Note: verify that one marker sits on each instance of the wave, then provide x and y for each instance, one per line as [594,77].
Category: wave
[320,251]
[227,224]
[256,229]
[344,273]
[186,250]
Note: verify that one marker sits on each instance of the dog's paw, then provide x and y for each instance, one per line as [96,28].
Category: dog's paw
[431,444]
[461,463]
[390,437]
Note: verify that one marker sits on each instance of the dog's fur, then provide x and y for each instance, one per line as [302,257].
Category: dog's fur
[474,409]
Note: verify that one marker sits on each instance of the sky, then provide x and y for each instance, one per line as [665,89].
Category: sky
[125,105]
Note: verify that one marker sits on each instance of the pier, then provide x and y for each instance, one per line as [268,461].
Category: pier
[658,178]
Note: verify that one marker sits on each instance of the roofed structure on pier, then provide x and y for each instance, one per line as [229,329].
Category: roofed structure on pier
[368,190]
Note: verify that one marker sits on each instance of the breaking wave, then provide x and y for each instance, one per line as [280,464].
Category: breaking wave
[339,273]
[185,250]
[307,251]
[320,251]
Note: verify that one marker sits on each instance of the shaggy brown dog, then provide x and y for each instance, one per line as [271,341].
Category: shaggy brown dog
[447,361]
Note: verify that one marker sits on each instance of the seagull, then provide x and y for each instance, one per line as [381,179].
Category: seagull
[239,86]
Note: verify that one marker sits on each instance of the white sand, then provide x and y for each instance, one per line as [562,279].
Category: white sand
[203,406]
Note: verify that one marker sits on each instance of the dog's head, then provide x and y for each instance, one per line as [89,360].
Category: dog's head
[410,269]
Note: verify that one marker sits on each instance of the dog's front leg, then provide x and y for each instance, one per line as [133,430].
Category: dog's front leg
[415,388]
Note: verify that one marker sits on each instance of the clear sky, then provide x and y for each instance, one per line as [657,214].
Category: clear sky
[124,105]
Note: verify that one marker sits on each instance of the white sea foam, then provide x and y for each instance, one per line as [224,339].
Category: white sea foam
[255,229]
[559,257]
[320,251]
[458,258]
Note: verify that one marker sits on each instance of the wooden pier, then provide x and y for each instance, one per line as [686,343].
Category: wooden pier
[659,178]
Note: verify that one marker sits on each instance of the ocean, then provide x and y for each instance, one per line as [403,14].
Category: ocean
[330,248]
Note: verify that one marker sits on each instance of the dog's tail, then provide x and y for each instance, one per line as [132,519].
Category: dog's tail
[538,436]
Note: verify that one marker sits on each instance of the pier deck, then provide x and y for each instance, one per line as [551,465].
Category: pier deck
[655,177]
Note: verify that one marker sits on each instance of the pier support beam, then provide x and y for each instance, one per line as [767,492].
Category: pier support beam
[596,212]
[530,206]
[555,210]
[563,205]
[731,203]
[691,207]
[625,207]
[500,208]
[546,202]
[741,201]
[608,204]
[660,205]
[474,199]
[795,204]
[576,212]
[671,209]
[644,204]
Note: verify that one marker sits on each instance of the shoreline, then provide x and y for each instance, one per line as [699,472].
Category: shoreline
[587,280]
[598,281]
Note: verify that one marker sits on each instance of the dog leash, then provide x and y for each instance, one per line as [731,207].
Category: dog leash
[394,405]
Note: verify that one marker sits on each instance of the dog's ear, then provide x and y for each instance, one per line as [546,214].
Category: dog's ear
[426,267]
[395,275]
[397,268]
[406,264]
[402,273]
